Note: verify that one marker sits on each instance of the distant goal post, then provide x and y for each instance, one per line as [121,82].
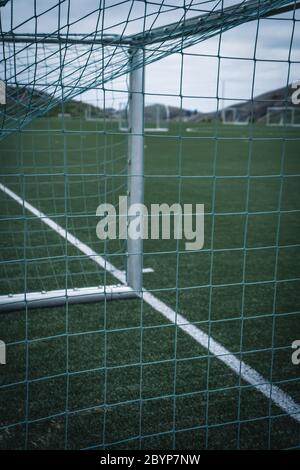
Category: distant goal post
[156,118]
[283,116]
[233,116]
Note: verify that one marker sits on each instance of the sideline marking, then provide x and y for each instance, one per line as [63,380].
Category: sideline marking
[247,373]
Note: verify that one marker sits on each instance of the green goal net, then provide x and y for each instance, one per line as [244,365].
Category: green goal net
[144,344]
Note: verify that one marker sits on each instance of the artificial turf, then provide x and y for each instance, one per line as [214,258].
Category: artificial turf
[118,374]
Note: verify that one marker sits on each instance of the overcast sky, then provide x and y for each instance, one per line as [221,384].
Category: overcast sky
[200,62]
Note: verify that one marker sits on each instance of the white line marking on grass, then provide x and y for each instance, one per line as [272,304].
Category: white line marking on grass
[148,270]
[247,373]
[250,375]
[117,273]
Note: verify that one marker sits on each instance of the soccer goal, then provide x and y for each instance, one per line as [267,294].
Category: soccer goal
[92,113]
[234,116]
[156,118]
[283,116]
[120,158]
[116,337]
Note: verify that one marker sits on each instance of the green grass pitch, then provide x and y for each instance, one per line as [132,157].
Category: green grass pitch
[117,374]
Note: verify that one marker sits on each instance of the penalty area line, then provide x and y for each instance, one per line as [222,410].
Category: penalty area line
[272,392]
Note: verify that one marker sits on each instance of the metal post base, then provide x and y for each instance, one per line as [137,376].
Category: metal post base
[56,298]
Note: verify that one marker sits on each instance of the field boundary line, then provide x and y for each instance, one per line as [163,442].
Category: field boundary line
[247,373]
[117,273]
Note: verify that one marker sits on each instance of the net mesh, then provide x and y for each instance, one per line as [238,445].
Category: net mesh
[41,69]
[204,358]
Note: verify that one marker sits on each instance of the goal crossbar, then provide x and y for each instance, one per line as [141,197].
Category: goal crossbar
[172,38]
[225,17]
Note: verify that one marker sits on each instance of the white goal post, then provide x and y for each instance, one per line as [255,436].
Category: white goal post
[35,104]
[156,118]
[283,116]
[131,280]
[90,116]
[233,116]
